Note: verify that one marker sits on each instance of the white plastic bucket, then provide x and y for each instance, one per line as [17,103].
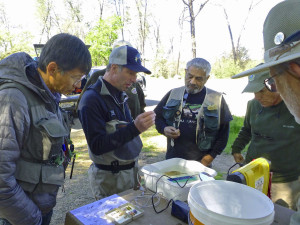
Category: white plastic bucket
[218,202]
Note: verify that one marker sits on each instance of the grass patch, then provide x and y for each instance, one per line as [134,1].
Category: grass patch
[149,139]
[235,127]
[150,145]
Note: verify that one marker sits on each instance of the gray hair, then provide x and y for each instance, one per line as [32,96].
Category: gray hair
[109,67]
[200,63]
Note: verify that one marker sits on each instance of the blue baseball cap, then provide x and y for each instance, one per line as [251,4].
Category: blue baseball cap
[129,57]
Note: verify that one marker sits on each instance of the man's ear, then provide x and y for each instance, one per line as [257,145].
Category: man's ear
[295,68]
[52,68]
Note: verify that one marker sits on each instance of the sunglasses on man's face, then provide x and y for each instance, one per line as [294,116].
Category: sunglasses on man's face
[270,83]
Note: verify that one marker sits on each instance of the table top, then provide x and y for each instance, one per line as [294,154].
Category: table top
[150,217]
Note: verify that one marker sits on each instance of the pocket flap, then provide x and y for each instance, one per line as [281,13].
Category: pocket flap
[213,113]
[53,127]
[173,103]
[28,171]
[53,174]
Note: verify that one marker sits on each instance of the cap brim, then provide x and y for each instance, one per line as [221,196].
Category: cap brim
[138,68]
[266,66]
[253,88]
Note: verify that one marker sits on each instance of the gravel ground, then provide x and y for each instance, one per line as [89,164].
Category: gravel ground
[77,191]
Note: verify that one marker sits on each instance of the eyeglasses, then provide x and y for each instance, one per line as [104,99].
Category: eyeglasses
[270,83]
[77,82]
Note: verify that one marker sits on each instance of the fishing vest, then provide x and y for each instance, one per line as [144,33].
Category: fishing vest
[128,152]
[208,117]
[39,168]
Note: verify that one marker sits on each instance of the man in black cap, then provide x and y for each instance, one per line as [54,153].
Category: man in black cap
[112,136]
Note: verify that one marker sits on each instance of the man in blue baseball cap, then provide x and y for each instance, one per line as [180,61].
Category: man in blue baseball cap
[112,136]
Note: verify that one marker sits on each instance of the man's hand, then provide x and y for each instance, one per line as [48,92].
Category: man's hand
[238,158]
[144,121]
[207,160]
[171,132]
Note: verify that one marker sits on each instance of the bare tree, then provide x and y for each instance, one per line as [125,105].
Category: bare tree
[190,5]
[101,6]
[44,8]
[142,8]
[180,22]
[156,33]
[74,23]
[119,6]
[74,10]
[236,48]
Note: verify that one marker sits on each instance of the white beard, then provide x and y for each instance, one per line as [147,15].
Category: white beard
[192,90]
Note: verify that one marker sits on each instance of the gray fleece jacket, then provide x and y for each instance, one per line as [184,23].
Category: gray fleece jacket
[17,206]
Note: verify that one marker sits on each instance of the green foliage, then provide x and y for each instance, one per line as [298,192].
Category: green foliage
[225,67]
[165,67]
[101,39]
[235,126]
[160,68]
[151,147]
[11,43]
[12,40]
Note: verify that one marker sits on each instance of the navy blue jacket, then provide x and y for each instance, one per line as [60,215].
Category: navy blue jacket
[93,113]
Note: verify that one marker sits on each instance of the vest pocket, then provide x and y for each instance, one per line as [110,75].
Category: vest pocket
[28,174]
[52,132]
[53,174]
[130,150]
[208,129]
[211,119]
[169,111]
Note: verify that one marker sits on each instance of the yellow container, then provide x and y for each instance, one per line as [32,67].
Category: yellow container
[257,174]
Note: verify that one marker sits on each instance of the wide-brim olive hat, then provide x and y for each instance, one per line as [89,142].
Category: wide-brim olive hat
[256,82]
[281,34]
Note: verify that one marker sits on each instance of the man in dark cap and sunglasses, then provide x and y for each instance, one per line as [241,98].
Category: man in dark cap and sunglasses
[281,33]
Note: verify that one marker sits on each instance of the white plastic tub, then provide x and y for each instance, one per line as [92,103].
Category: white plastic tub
[218,202]
[155,181]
